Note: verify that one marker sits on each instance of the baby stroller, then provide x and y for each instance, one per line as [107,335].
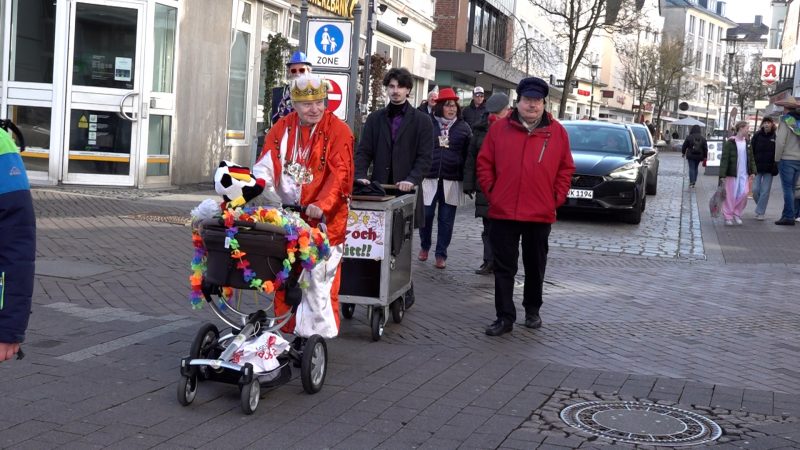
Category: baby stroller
[216,355]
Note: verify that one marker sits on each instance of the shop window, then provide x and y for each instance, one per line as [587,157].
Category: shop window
[166,21]
[489,28]
[294,27]
[97,60]
[238,78]
[34,123]
[159,141]
[33,25]
[269,22]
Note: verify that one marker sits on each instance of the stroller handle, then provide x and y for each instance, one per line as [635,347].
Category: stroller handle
[301,209]
[7,125]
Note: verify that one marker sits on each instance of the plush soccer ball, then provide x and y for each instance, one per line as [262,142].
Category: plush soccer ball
[236,184]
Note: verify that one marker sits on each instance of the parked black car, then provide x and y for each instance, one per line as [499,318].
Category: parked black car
[645,141]
[610,174]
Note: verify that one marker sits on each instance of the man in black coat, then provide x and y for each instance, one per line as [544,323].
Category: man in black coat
[396,140]
[474,113]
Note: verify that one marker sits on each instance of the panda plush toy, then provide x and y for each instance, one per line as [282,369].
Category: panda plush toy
[236,184]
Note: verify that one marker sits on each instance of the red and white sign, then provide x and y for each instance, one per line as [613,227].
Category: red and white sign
[769,72]
[584,92]
[337,93]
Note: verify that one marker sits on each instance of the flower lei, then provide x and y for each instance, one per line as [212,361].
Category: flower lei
[304,243]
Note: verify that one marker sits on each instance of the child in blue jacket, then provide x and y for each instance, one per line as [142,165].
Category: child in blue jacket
[17,248]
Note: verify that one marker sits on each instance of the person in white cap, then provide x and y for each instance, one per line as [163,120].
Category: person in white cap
[477,108]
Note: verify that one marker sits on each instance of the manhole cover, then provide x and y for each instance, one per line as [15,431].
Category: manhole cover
[162,218]
[641,423]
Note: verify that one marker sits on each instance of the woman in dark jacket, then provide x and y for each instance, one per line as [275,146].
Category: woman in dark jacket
[695,149]
[442,186]
[763,144]
[496,108]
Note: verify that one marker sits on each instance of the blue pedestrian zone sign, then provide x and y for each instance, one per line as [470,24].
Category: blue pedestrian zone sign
[329,43]
[329,39]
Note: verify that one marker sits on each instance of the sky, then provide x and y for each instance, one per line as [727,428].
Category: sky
[744,11]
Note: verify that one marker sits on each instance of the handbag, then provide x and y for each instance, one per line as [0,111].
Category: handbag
[715,203]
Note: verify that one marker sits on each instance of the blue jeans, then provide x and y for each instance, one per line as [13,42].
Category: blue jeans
[762,185]
[447,218]
[693,163]
[789,170]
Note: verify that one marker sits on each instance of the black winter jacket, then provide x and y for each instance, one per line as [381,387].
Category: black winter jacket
[447,163]
[695,147]
[764,151]
[473,114]
[470,178]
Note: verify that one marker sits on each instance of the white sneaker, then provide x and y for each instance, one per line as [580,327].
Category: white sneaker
[728,223]
[737,220]
[759,217]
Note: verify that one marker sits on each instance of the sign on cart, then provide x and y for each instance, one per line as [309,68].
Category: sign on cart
[365,238]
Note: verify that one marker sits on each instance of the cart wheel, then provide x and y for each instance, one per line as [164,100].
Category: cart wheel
[398,310]
[314,364]
[348,309]
[377,323]
[187,390]
[251,393]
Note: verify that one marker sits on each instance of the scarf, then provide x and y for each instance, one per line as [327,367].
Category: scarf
[791,121]
[445,124]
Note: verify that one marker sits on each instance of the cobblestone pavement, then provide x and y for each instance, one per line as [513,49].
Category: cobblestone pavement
[677,310]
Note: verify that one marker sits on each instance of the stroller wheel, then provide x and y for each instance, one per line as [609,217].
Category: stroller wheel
[251,394]
[314,364]
[204,341]
[187,390]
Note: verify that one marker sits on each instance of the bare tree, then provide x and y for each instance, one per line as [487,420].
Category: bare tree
[576,21]
[640,65]
[535,56]
[673,60]
[746,83]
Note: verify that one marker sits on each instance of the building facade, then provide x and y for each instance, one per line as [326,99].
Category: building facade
[153,93]
[702,25]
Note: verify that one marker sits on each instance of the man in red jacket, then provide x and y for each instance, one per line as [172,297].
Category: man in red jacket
[524,167]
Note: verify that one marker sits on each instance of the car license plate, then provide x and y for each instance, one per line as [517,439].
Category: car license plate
[580,193]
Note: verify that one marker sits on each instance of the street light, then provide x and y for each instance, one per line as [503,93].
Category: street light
[591,99]
[730,49]
[709,90]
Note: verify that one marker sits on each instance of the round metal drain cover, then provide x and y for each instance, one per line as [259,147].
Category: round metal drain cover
[641,423]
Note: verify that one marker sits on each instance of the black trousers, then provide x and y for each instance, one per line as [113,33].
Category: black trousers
[505,238]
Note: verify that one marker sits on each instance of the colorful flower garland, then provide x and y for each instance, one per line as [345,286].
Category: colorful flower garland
[309,245]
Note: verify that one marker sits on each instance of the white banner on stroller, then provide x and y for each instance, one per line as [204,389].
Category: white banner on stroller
[262,352]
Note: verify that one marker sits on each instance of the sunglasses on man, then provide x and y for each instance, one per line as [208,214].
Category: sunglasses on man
[297,70]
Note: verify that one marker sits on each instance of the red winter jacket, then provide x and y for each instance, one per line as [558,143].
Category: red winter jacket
[525,175]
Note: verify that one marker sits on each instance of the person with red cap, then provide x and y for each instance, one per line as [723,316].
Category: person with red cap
[442,187]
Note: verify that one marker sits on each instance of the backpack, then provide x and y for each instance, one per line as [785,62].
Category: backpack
[694,149]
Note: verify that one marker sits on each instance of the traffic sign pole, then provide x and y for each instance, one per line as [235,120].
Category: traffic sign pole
[351,89]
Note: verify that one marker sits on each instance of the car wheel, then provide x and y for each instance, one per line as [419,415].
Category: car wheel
[652,187]
[634,216]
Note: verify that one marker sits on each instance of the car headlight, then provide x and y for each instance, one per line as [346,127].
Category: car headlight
[627,172]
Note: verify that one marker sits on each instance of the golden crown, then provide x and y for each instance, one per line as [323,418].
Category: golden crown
[308,88]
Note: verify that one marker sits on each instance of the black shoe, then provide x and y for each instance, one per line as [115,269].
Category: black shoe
[485,269]
[533,321]
[499,327]
[785,221]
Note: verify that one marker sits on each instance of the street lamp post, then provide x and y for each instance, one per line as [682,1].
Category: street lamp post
[730,48]
[591,98]
[709,91]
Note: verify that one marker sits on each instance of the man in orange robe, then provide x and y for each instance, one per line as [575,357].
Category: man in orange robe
[307,160]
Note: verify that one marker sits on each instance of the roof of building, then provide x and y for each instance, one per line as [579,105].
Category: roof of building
[696,6]
[749,32]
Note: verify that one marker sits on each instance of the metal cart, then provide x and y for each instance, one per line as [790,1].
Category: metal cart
[376,268]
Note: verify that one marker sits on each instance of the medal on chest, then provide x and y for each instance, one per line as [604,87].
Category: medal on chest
[297,166]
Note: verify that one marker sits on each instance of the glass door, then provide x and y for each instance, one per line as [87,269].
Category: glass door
[103,101]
